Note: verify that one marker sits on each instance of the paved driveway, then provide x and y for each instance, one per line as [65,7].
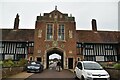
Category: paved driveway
[49,74]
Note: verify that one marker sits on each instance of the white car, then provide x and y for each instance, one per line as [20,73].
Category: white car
[90,70]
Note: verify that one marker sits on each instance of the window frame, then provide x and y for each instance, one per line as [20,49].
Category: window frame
[51,32]
[79,65]
[61,32]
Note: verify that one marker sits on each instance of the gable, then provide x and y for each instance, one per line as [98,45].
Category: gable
[55,15]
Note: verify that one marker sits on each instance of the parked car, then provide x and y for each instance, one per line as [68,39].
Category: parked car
[34,66]
[90,70]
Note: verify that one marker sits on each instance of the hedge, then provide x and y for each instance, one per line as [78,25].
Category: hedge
[117,66]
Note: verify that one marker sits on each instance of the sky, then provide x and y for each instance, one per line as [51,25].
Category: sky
[54,56]
[104,11]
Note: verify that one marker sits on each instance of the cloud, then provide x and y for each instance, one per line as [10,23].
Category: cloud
[106,13]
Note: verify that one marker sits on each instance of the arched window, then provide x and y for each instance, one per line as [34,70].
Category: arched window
[31,58]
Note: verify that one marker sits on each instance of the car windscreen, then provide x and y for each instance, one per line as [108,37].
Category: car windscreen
[34,64]
[92,66]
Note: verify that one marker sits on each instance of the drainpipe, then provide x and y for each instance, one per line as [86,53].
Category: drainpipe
[27,50]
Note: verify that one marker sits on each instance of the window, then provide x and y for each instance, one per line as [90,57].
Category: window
[19,45]
[79,65]
[32,44]
[20,56]
[0,44]
[1,47]
[108,47]
[89,58]
[31,58]
[49,31]
[61,32]
[50,15]
[92,66]
[110,58]
[78,59]
[89,46]
[79,45]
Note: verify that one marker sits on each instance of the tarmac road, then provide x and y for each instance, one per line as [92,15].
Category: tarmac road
[51,74]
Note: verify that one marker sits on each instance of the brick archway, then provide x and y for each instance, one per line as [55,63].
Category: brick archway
[54,51]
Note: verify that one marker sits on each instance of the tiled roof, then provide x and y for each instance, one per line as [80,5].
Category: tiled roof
[97,36]
[17,35]
[86,36]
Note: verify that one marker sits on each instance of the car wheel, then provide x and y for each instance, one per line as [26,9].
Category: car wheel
[82,78]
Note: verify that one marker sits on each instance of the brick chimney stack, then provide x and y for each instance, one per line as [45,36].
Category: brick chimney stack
[16,22]
[94,25]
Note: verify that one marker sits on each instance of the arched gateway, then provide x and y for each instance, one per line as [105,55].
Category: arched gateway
[55,51]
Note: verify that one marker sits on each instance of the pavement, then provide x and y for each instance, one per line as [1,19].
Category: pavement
[21,75]
[72,70]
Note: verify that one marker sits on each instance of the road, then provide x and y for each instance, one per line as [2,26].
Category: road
[50,74]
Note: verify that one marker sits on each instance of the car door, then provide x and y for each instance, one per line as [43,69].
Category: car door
[79,70]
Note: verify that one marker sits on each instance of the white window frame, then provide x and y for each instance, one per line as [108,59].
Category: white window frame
[52,32]
[58,32]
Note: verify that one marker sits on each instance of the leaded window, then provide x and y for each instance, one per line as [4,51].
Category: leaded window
[49,31]
[79,45]
[89,46]
[108,47]
[110,58]
[61,32]
[89,58]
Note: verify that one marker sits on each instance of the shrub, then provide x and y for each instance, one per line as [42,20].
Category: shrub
[117,66]
[1,62]
[8,63]
[22,62]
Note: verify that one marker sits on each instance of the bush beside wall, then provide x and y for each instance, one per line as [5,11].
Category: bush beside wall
[117,66]
[10,67]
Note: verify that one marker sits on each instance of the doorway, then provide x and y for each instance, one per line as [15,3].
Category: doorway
[70,63]
[39,59]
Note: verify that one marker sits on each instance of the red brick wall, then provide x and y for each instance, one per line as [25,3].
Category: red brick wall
[68,46]
[69,43]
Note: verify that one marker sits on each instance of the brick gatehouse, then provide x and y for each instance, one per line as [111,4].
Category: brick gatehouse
[55,33]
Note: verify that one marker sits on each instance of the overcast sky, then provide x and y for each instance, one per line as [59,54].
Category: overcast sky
[104,11]
[54,56]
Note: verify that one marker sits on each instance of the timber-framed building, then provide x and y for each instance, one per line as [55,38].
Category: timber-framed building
[55,33]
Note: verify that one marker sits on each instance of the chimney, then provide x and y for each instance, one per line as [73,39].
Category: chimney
[16,22]
[94,25]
